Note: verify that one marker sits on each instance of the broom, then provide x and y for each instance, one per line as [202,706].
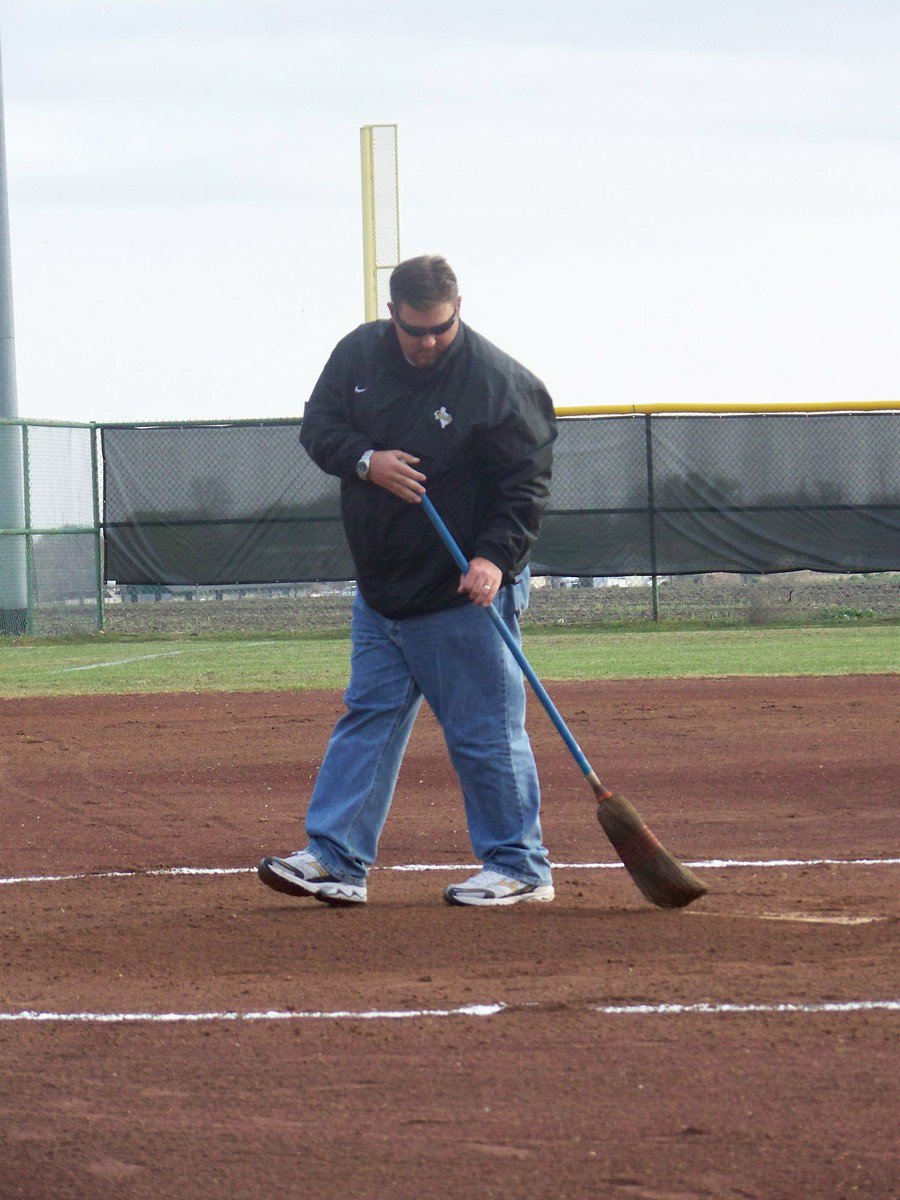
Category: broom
[658,874]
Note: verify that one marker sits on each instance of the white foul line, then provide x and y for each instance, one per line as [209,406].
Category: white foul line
[120,662]
[665,1010]
[131,874]
[115,662]
[468,1010]
[715,864]
[712,864]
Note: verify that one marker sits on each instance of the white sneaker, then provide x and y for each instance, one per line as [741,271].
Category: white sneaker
[301,874]
[490,887]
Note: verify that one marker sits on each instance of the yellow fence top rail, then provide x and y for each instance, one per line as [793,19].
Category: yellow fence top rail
[688,410]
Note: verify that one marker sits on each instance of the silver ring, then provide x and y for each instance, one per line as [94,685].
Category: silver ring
[487,588]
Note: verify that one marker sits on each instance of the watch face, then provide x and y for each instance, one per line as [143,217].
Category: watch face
[362,468]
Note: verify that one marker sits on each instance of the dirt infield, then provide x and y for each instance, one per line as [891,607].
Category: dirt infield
[411,1050]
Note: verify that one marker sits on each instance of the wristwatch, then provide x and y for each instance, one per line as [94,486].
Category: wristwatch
[362,467]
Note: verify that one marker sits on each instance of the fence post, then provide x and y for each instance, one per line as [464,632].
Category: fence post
[98,532]
[30,600]
[651,514]
[13,561]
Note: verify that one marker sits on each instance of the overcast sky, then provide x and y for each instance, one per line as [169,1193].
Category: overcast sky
[644,200]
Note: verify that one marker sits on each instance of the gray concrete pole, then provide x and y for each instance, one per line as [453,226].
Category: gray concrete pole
[13,576]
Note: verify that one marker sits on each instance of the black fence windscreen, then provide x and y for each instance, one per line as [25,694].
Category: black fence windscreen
[632,495]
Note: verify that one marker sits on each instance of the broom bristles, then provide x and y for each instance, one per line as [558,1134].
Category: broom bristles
[658,874]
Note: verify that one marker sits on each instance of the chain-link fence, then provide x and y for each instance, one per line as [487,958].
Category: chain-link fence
[684,515]
[50,535]
[640,495]
[665,495]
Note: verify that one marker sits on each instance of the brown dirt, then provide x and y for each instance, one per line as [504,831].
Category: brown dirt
[548,1098]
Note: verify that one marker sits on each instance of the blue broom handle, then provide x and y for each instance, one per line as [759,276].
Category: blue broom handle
[514,648]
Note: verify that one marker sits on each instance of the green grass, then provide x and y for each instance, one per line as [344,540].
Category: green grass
[121,666]
[681,653]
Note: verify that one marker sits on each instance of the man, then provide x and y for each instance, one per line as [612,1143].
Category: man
[423,402]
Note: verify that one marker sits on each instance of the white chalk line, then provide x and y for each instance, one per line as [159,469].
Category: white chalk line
[796,917]
[131,874]
[115,662]
[665,1010]
[712,864]
[120,662]
[468,1010]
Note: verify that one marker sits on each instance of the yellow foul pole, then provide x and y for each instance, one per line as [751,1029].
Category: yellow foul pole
[380,214]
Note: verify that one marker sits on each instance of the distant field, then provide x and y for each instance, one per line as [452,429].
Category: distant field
[698,601]
[108,665]
[796,598]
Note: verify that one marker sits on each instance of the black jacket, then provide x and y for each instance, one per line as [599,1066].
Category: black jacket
[483,427]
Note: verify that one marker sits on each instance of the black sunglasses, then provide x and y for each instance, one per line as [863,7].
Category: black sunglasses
[419,331]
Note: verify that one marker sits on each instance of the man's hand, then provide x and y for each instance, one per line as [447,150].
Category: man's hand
[394,471]
[482,582]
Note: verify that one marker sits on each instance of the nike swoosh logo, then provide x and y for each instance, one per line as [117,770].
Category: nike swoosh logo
[359,389]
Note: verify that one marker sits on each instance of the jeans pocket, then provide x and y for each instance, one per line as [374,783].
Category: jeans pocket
[521,590]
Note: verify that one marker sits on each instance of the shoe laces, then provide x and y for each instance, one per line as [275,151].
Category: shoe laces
[486,878]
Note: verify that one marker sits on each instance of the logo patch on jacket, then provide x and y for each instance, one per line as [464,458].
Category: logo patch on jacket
[443,416]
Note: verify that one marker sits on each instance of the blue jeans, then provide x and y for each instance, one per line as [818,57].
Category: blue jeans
[456,659]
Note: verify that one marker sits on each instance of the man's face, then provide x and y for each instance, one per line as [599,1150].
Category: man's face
[423,347]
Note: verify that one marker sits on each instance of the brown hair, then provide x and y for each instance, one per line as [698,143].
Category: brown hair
[423,282]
